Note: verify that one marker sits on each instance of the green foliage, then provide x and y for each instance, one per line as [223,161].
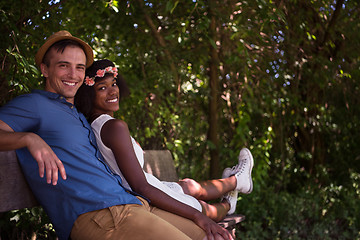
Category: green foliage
[313,212]
[31,223]
[26,75]
[288,89]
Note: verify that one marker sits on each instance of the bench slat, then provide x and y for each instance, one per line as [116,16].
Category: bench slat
[231,220]
[160,163]
[14,190]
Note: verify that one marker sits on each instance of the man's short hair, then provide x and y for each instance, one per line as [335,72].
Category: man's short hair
[60,47]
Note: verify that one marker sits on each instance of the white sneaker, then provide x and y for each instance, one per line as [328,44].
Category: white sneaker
[242,172]
[231,198]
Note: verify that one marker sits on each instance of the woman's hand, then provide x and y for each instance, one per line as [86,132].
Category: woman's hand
[212,229]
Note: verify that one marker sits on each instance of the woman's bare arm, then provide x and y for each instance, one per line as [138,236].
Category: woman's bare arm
[116,136]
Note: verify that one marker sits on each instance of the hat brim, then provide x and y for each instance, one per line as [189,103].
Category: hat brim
[43,49]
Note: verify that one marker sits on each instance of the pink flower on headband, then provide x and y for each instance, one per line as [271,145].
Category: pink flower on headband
[101,73]
[89,81]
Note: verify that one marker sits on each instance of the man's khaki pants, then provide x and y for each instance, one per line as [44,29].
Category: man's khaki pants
[133,221]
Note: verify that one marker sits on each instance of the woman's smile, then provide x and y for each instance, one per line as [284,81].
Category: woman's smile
[106,96]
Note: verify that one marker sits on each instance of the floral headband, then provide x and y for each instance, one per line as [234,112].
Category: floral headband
[90,81]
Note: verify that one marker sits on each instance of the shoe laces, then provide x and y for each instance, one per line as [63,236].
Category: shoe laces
[240,168]
[228,196]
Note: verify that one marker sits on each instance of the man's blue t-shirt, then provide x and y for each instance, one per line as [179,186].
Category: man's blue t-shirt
[90,184]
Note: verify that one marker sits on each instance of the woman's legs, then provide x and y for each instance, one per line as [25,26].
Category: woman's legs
[235,180]
[215,211]
[208,190]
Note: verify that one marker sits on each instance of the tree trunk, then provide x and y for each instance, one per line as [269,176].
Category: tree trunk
[213,102]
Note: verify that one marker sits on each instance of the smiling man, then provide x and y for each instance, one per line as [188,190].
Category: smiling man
[65,72]
[63,64]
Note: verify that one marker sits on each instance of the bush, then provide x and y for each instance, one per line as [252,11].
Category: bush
[28,223]
[313,212]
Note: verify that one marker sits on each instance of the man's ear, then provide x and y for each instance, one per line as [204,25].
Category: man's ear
[44,69]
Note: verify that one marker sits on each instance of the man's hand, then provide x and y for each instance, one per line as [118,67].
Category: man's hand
[47,160]
[213,230]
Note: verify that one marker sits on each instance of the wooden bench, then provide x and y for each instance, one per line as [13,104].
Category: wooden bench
[16,194]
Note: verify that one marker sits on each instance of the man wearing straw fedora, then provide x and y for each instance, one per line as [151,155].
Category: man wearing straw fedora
[57,151]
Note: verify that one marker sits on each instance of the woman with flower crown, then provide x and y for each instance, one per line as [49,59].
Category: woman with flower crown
[98,98]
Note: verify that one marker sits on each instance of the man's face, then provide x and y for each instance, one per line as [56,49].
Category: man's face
[66,71]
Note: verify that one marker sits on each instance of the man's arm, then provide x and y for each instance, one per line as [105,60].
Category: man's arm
[47,160]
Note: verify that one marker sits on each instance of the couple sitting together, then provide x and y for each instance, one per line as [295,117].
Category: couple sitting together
[84,167]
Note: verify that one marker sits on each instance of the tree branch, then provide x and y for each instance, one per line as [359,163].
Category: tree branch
[333,19]
[159,38]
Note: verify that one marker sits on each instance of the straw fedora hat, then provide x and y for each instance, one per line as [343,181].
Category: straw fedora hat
[61,35]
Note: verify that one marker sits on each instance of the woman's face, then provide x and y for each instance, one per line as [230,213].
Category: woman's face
[106,96]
